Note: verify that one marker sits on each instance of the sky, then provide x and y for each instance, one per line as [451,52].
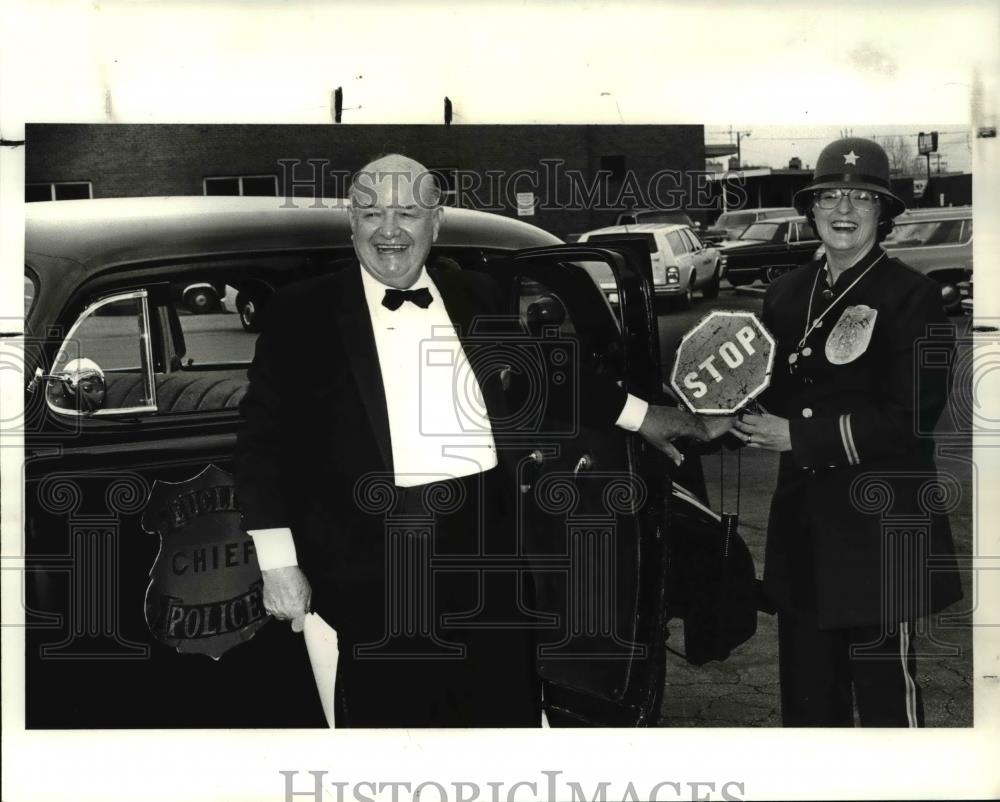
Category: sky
[773,146]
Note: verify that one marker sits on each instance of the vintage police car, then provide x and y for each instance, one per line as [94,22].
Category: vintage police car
[127,391]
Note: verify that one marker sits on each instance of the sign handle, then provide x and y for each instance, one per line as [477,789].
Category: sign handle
[730,518]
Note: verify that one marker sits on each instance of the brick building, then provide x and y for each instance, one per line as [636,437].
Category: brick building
[575,177]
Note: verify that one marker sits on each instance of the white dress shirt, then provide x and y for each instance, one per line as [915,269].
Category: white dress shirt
[438,426]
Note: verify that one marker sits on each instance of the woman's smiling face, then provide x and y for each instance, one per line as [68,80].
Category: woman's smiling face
[846,230]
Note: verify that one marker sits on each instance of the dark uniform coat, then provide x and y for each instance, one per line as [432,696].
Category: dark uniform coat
[858,532]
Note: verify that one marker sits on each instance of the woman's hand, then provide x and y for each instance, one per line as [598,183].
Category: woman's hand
[765,431]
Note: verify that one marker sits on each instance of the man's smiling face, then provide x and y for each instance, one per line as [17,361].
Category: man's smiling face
[395,219]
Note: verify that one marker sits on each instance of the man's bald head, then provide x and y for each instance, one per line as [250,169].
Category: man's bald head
[395,216]
[388,173]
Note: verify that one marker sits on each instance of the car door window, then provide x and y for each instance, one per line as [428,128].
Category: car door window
[765,232]
[197,324]
[598,238]
[104,364]
[216,335]
[694,244]
[804,232]
[677,243]
[947,232]
[925,233]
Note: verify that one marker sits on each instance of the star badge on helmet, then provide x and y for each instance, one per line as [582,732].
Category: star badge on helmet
[851,158]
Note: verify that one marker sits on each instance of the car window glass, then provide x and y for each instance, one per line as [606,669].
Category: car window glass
[108,339]
[650,239]
[736,219]
[967,231]
[109,335]
[677,244]
[760,231]
[804,231]
[664,218]
[204,320]
[948,232]
[540,308]
[769,215]
[692,239]
[215,334]
[930,232]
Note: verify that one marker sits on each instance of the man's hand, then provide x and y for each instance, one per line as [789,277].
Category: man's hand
[717,426]
[664,424]
[287,595]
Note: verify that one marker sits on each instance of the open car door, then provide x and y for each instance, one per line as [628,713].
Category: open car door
[593,497]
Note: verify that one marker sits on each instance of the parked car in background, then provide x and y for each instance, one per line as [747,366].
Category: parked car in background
[731,224]
[681,262]
[659,216]
[938,243]
[121,406]
[769,248]
[199,297]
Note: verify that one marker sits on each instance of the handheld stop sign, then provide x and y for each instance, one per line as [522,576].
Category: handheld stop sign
[723,363]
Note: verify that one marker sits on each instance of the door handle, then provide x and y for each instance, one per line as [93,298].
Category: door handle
[585,463]
[535,459]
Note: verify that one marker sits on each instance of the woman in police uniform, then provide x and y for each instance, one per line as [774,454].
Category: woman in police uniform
[859,549]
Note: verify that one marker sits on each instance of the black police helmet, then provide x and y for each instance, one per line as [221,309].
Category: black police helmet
[854,163]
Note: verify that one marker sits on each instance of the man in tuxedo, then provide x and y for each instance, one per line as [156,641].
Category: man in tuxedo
[348,450]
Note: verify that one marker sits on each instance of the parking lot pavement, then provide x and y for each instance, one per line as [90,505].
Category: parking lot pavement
[742,691]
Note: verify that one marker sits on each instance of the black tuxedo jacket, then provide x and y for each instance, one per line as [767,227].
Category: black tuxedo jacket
[314,451]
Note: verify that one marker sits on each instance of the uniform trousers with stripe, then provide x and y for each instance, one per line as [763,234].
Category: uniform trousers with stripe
[826,673]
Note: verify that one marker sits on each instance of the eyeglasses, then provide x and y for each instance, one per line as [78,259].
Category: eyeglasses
[861,199]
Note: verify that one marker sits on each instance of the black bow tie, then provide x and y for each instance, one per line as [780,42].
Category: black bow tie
[394,298]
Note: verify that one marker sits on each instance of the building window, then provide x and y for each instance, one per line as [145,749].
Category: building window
[257,185]
[614,165]
[58,190]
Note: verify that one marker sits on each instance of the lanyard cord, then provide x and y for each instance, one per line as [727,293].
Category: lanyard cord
[808,329]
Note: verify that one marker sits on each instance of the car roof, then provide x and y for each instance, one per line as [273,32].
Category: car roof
[795,218]
[942,212]
[759,209]
[102,232]
[637,228]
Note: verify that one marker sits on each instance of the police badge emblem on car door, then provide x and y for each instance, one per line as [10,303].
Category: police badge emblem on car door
[849,339]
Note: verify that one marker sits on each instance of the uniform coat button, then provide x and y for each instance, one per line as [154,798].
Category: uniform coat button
[807,413]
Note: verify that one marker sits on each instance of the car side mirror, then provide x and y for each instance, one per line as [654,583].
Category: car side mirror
[80,385]
[546,311]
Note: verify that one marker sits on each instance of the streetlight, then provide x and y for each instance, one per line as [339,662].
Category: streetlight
[739,158]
